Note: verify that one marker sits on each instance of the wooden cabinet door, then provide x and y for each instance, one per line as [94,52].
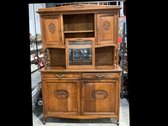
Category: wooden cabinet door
[61,97]
[100,97]
[106,28]
[52,31]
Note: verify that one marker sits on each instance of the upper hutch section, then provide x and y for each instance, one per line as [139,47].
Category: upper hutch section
[79,21]
[80,36]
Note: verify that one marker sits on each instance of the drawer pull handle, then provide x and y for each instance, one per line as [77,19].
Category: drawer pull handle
[60,76]
[61,94]
[99,76]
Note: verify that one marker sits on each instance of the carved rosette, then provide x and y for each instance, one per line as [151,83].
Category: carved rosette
[51,27]
[99,94]
[106,25]
[61,94]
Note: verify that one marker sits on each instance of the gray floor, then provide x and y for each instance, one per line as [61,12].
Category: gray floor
[37,114]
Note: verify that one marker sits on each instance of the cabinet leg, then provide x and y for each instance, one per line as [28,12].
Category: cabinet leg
[115,121]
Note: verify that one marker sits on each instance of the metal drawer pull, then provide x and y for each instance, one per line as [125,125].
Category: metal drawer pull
[60,75]
[99,76]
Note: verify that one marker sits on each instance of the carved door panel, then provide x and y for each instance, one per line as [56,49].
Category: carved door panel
[100,97]
[61,97]
[106,28]
[52,31]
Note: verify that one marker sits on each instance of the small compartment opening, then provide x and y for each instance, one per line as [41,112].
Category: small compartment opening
[104,56]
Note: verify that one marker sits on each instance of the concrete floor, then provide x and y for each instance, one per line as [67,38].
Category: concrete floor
[37,114]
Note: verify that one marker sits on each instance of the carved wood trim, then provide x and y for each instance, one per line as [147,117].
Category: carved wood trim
[51,27]
[106,25]
[99,94]
[61,94]
[78,6]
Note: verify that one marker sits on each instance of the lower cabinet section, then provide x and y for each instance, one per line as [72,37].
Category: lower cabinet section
[61,97]
[100,97]
[81,98]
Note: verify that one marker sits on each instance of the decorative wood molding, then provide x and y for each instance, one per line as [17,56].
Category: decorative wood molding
[106,25]
[99,94]
[61,94]
[99,76]
[51,27]
[60,75]
[78,6]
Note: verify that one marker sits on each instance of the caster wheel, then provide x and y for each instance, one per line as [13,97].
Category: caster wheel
[40,102]
[44,122]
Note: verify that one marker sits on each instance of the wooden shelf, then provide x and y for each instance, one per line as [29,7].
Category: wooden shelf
[98,46]
[81,31]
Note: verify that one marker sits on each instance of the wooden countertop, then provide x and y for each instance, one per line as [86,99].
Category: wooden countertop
[97,69]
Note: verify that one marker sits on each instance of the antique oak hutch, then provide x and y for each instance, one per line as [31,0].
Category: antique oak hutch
[81,77]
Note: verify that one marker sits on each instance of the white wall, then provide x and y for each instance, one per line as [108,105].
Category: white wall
[34,21]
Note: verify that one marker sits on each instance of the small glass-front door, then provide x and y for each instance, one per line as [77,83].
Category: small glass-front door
[80,53]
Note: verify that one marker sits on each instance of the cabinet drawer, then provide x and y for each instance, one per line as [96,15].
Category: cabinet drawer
[100,75]
[60,75]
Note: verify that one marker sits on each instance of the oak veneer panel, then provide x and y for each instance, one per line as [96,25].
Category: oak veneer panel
[105,102]
[52,30]
[106,28]
[60,103]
